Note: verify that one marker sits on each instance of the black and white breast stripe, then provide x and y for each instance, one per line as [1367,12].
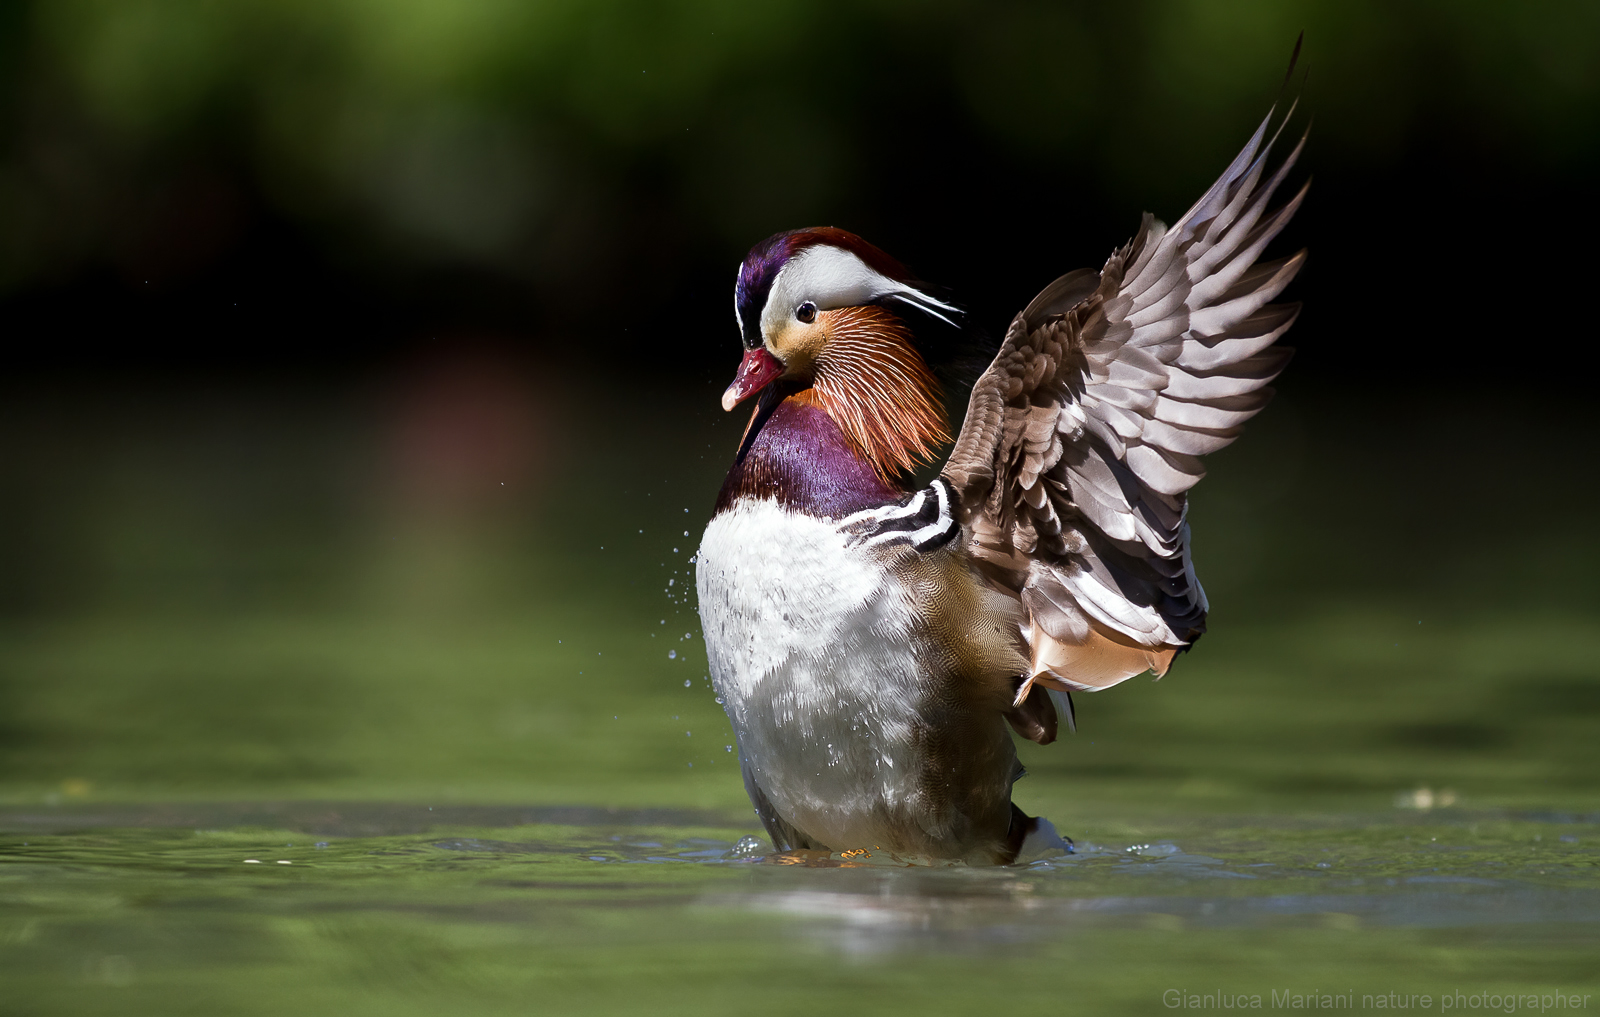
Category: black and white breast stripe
[925,520]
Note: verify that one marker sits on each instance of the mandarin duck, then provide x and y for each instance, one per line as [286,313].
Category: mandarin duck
[871,644]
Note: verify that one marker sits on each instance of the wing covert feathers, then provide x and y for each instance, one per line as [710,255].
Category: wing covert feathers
[1084,436]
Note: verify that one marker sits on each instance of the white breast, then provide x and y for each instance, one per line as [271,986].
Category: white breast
[815,650]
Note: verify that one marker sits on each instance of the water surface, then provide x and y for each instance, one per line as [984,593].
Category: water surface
[375,909]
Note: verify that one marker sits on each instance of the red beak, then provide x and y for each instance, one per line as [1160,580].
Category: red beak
[758,370]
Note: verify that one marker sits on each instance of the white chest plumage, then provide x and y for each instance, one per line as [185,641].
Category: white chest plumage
[812,649]
[831,682]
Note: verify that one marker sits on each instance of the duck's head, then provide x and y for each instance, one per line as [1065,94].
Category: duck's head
[804,294]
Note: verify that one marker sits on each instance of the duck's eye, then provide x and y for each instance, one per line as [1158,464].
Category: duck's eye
[806,312]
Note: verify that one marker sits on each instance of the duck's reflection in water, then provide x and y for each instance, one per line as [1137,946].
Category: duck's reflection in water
[863,909]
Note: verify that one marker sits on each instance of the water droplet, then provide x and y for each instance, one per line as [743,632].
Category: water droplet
[672,654]
[727,748]
[748,847]
[687,683]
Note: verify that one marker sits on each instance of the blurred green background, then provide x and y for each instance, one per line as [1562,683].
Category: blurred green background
[359,416]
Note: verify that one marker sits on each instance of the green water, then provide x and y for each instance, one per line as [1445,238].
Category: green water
[236,627]
[389,910]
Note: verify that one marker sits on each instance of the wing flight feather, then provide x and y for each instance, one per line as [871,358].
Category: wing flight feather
[1087,431]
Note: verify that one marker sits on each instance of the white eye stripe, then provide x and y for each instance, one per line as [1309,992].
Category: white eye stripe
[831,277]
[924,303]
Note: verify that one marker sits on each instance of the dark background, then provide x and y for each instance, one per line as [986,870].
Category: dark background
[305,189]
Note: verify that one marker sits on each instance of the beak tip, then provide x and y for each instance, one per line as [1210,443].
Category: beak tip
[758,370]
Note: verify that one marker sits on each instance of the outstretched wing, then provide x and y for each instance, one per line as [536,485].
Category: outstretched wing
[1083,437]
